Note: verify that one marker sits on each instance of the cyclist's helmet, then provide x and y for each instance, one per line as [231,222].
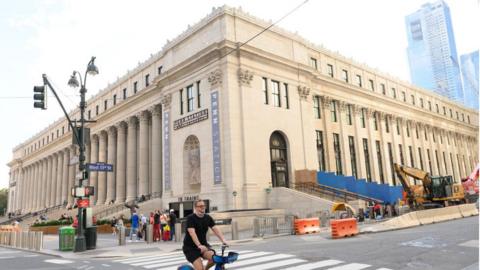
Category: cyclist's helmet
[185,267]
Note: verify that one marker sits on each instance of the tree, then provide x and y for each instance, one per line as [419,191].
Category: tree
[3,200]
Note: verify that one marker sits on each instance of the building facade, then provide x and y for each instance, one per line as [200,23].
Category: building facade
[470,75]
[432,53]
[206,118]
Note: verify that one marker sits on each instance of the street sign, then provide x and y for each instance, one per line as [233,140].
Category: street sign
[83,203]
[100,167]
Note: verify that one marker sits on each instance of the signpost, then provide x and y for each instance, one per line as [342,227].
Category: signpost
[100,167]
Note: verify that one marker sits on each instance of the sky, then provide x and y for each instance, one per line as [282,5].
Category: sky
[58,36]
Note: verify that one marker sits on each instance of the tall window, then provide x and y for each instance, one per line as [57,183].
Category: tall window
[394,93]
[416,131]
[345,75]
[404,96]
[105,105]
[387,127]
[400,148]
[408,130]
[445,162]
[313,63]
[330,70]
[413,100]
[375,123]
[444,110]
[382,86]
[159,70]
[181,101]
[367,160]
[390,155]
[190,98]
[199,104]
[124,93]
[362,118]
[398,127]
[147,80]
[379,160]
[429,158]
[421,158]
[438,162]
[276,94]
[349,114]
[316,107]
[333,111]
[353,158]
[89,115]
[320,151]
[114,99]
[135,87]
[265,89]
[338,154]
[421,103]
[429,105]
[438,110]
[459,164]
[287,102]
[453,167]
[96,110]
[359,80]
[372,85]
[412,162]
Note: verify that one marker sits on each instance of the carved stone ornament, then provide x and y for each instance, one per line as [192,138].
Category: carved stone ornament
[326,101]
[357,109]
[245,77]
[303,92]
[215,78]
[166,101]
[155,110]
[342,106]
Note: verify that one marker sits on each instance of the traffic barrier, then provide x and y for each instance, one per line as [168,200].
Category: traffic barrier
[467,210]
[307,225]
[425,216]
[446,213]
[344,227]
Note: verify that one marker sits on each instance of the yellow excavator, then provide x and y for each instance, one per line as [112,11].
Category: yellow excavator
[434,190]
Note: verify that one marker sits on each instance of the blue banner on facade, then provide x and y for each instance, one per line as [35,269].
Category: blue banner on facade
[217,166]
[166,149]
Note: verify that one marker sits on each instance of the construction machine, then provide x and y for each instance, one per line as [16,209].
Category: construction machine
[434,190]
[470,185]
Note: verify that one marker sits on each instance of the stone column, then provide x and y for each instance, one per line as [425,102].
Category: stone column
[29,189]
[58,192]
[94,159]
[34,189]
[65,192]
[121,165]
[156,151]
[21,198]
[112,156]
[49,181]
[360,159]
[344,157]
[53,180]
[102,176]
[132,159]
[330,154]
[71,176]
[143,170]
[44,183]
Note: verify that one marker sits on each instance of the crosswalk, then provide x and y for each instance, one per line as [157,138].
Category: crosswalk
[248,260]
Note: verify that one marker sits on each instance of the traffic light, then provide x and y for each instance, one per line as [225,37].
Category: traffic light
[40,97]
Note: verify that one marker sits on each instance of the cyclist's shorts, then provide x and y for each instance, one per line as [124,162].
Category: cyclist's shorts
[192,254]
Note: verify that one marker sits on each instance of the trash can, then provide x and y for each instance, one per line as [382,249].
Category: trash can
[91,237]
[66,238]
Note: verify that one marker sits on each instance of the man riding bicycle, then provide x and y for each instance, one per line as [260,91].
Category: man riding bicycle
[195,245]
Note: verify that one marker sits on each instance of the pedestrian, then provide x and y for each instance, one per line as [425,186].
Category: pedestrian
[113,225]
[144,227]
[134,228]
[156,226]
[163,222]
[172,221]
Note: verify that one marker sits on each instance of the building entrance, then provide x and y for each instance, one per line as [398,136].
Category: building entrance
[278,160]
[185,208]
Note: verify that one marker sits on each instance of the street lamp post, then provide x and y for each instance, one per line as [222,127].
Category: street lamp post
[80,243]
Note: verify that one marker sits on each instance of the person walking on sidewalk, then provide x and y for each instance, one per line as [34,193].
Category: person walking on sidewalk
[172,221]
[195,245]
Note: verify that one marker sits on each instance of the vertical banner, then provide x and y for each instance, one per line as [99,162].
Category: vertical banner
[217,166]
[166,150]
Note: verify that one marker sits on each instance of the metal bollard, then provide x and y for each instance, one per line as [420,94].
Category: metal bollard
[178,232]
[234,230]
[149,233]
[121,236]
[256,227]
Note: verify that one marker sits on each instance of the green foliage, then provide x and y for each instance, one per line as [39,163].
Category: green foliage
[3,200]
[53,223]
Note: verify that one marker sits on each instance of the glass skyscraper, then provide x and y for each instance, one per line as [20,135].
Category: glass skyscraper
[469,64]
[432,53]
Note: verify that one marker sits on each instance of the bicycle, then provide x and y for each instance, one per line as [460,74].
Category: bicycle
[219,261]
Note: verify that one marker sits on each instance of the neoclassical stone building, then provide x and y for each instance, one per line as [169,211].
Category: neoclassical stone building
[211,118]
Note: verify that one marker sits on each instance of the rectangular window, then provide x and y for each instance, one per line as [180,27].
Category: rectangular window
[147,80]
[451,114]
[390,154]
[468,119]
[421,103]
[463,117]
[359,81]
[159,70]
[338,154]
[345,75]
[444,110]
[316,107]
[429,105]
[353,158]
[438,110]
[429,161]
[124,93]
[416,131]
[426,136]
[445,162]
[190,98]
[135,87]
[320,151]
[63,128]
[408,130]
[433,136]
[404,96]
[114,99]
[394,93]
[420,156]
[387,126]
[453,167]
[441,138]
[265,89]
[96,110]
[333,111]
[372,86]
[458,118]
[349,114]
[413,99]
[287,102]
[313,63]
[105,105]
[375,121]
[412,162]
[330,70]
[367,160]
[400,148]
[181,101]
[379,160]
[438,162]
[398,127]
[276,94]
[58,133]
[362,118]
[459,163]
[89,114]
[382,86]
[199,103]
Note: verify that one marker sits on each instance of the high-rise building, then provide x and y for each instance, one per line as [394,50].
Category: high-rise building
[469,64]
[432,53]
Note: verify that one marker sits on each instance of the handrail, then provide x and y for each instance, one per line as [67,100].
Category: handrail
[335,192]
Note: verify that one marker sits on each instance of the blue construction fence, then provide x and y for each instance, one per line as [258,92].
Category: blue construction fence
[384,192]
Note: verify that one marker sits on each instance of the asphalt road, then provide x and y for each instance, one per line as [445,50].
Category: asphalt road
[449,245]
